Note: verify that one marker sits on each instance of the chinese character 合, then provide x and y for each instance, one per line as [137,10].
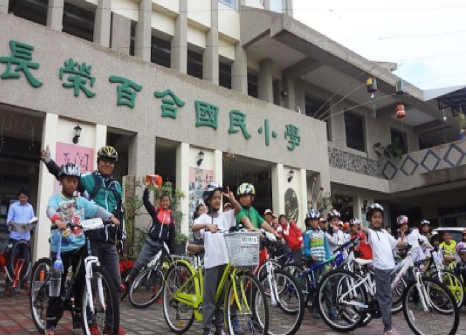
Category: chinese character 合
[292,132]
[21,56]
[206,114]
[126,91]
[170,104]
[266,130]
[238,119]
[79,75]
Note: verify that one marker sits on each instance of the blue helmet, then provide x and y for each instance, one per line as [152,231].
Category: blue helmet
[313,214]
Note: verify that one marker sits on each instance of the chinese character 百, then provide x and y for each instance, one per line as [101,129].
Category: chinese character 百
[266,130]
[292,132]
[238,119]
[206,114]
[170,104]
[21,56]
[126,91]
[79,75]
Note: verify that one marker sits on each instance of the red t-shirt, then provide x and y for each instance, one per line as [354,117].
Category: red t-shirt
[363,247]
[293,236]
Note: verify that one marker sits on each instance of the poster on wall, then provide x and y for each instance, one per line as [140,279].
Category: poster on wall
[198,179]
[291,205]
[81,156]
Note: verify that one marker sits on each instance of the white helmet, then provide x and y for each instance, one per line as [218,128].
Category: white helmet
[69,169]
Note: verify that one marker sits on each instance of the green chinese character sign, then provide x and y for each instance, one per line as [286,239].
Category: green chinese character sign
[78,76]
[170,103]
[126,91]
[238,119]
[21,56]
[266,131]
[292,133]
[206,114]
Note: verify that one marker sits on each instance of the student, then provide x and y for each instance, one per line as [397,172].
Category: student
[448,246]
[363,247]
[216,254]
[293,237]
[382,244]
[64,207]
[334,235]
[412,236]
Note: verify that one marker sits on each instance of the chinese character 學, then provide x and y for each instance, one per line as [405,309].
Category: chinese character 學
[238,119]
[266,131]
[126,91]
[79,75]
[292,133]
[21,56]
[170,104]
[206,114]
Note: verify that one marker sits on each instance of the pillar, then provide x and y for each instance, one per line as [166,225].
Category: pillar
[103,17]
[288,7]
[210,58]
[100,138]
[267,5]
[239,70]
[121,33]
[55,15]
[142,42]
[278,188]
[289,101]
[218,167]
[179,45]
[141,155]
[302,197]
[182,182]
[265,81]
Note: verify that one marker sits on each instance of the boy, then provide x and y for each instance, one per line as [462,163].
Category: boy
[64,208]
[334,235]
[448,246]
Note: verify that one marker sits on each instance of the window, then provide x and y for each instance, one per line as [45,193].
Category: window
[229,3]
[401,137]
[132,38]
[318,109]
[253,88]
[277,6]
[160,51]
[224,75]
[32,10]
[195,67]
[78,22]
[354,129]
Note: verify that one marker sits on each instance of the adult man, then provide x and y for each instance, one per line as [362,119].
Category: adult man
[102,189]
[20,212]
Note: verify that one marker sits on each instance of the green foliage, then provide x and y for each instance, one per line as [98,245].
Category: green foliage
[391,151]
[181,238]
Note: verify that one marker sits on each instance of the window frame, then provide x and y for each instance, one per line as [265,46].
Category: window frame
[228,3]
[363,126]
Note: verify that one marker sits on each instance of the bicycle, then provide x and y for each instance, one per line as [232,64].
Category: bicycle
[15,262]
[98,293]
[353,301]
[245,299]
[148,284]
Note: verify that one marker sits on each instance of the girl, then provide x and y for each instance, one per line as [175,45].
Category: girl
[293,236]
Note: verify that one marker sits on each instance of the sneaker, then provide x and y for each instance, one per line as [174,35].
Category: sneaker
[207,332]
[237,330]
[95,330]
[121,331]
[332,314]
[391,332]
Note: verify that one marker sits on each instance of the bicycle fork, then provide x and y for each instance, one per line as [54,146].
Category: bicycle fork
[272,280]
[88,262]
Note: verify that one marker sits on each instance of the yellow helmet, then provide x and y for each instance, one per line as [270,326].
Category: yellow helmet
[107,152]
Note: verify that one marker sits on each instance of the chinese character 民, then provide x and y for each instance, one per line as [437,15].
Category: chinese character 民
[126,91]
[21,56]
[170,104]
[266,130]
[238,119]
[206,114]
[292,132]
[79,75]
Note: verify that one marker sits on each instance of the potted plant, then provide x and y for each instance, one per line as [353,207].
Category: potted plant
[391,151]
[180,243]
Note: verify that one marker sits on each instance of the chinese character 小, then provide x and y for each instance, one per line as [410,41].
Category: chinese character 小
[79,75]
[126,91]
[170,104]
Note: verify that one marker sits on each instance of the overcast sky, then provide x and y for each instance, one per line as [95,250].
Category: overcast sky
[426,38]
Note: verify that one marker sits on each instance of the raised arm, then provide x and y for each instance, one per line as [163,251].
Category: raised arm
[147,204]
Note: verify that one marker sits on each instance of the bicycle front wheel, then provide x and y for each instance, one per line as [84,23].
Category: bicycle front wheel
[102,295]
[39,295]
[437,315]
[246,309]
[146,288]
[454,284]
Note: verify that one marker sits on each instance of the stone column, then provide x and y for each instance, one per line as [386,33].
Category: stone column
[302,198]
[103,17]
[121,34]
[288,7]
[182,182]
[45,190]
[265,80]
[278,188]
[55,15]
[267,5]
[239,70]
[210,58]
[142,43]
[141,155]
[179,45]
[100,139]
[289,101]
[218,167]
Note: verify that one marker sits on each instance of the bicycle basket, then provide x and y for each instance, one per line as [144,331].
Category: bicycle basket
[243,248]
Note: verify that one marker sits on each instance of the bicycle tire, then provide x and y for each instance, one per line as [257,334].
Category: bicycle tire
[141,293]
[176,276]
[334,282]
[289,312]
[454,284]
[12,259]
[442,296]
[111,304]
[39,293]
[304,283]
[253,317]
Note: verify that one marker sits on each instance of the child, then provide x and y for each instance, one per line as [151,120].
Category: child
[334,235]
[448,246]
[62,209]
[216,254]
[364,249]
[293,237]
[412,236]
[461,265]
[382,244]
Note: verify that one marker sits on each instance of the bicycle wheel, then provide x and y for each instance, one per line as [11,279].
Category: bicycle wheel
[14,257]
[179,316]
[440,316]
[146,288]
[247,312]
[39,294]
[338,300]
[106,303]
[302,279]
[454,284]
[289,309]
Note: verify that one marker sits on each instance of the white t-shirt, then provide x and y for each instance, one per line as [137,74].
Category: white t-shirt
[413,239]
[382,244]
[215,248]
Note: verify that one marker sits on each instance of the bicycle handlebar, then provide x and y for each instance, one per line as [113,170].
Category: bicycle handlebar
[353,242]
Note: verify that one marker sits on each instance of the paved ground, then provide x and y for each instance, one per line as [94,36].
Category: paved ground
[15,319]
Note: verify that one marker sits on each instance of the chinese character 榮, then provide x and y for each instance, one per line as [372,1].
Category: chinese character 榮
[79,75]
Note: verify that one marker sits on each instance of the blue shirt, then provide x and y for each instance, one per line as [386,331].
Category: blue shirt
[75,209]
[19,213]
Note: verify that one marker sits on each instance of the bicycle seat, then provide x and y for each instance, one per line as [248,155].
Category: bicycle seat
[363,262]
[195,249]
